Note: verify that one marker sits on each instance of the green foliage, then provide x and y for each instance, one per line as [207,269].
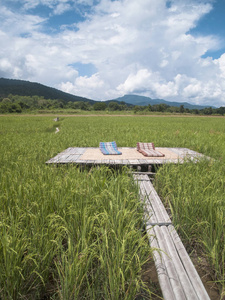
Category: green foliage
[18,104]
[65,233]
[194,192]
[26,88]
[71,234]
[8,107]
[99,106]
[30,96]
[195,196]
[114,106]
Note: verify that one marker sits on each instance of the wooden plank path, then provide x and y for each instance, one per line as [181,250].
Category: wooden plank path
[75,155]
[177,275]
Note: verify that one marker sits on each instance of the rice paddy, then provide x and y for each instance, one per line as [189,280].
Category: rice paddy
[72,234]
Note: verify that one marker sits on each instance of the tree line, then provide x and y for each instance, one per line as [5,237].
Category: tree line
[19,104]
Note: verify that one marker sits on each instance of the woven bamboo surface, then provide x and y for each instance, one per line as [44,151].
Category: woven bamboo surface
[96,154]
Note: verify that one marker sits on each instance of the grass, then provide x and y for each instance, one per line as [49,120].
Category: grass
[67,234]
[195,195]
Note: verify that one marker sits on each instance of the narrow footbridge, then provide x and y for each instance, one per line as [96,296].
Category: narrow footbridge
[177,275]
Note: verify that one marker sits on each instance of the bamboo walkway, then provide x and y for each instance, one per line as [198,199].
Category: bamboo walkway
[177,275]
[130,156]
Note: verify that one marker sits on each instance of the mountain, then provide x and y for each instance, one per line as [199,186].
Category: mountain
[144,101]
[27,88]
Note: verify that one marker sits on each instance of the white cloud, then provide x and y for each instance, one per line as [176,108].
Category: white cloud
[29,4]
[139,47]
[15,24]
[83,86]
[85,2]
[58,6]
[136,82]
[221,64]
[61,8]
[92,82]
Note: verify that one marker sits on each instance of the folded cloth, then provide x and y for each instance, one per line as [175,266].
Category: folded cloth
[109,148]
[148,149]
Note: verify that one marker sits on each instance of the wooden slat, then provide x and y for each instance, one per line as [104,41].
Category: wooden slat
[177,275]
[164,269]
[189,267]
[140,161]
[178,264]
[56,158]
[118,161]
[143,173]
[183,153]
[67,150]
[143,161]
[155,201]
[111,162]
[78,150]
[73,157]
[169,264]
[134,161]
[159,262]
[150,161]
[62,157]
[163,277]
[98,162]
[90,162]
[159,161]
[51,161]
[82,162]
[106,161]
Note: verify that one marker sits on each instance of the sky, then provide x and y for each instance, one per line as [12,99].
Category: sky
[104,49]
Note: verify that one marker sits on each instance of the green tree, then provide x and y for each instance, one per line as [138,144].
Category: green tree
[22,104]
[182,109]
[220,110]
[84,105]
[99,106]
[149,107]
[114,106]
[7,107]
[6,100]
[207,111]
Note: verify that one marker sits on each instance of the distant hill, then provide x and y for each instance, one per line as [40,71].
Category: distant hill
[143,101]
[27,88]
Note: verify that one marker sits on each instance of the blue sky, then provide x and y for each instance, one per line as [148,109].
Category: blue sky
[104,49]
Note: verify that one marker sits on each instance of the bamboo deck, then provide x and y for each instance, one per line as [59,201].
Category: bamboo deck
[130,157]
[177,275]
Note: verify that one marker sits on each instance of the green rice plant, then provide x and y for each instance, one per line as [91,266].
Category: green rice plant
[195,195]
[52,221]
[107,242]
[67,233]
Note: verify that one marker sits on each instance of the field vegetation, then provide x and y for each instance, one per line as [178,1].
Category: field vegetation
[38,104]
[67,233]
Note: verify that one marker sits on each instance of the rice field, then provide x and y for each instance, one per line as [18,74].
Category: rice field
[72,234]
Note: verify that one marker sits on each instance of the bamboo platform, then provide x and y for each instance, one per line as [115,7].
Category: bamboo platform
[130,157]
[177,275]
